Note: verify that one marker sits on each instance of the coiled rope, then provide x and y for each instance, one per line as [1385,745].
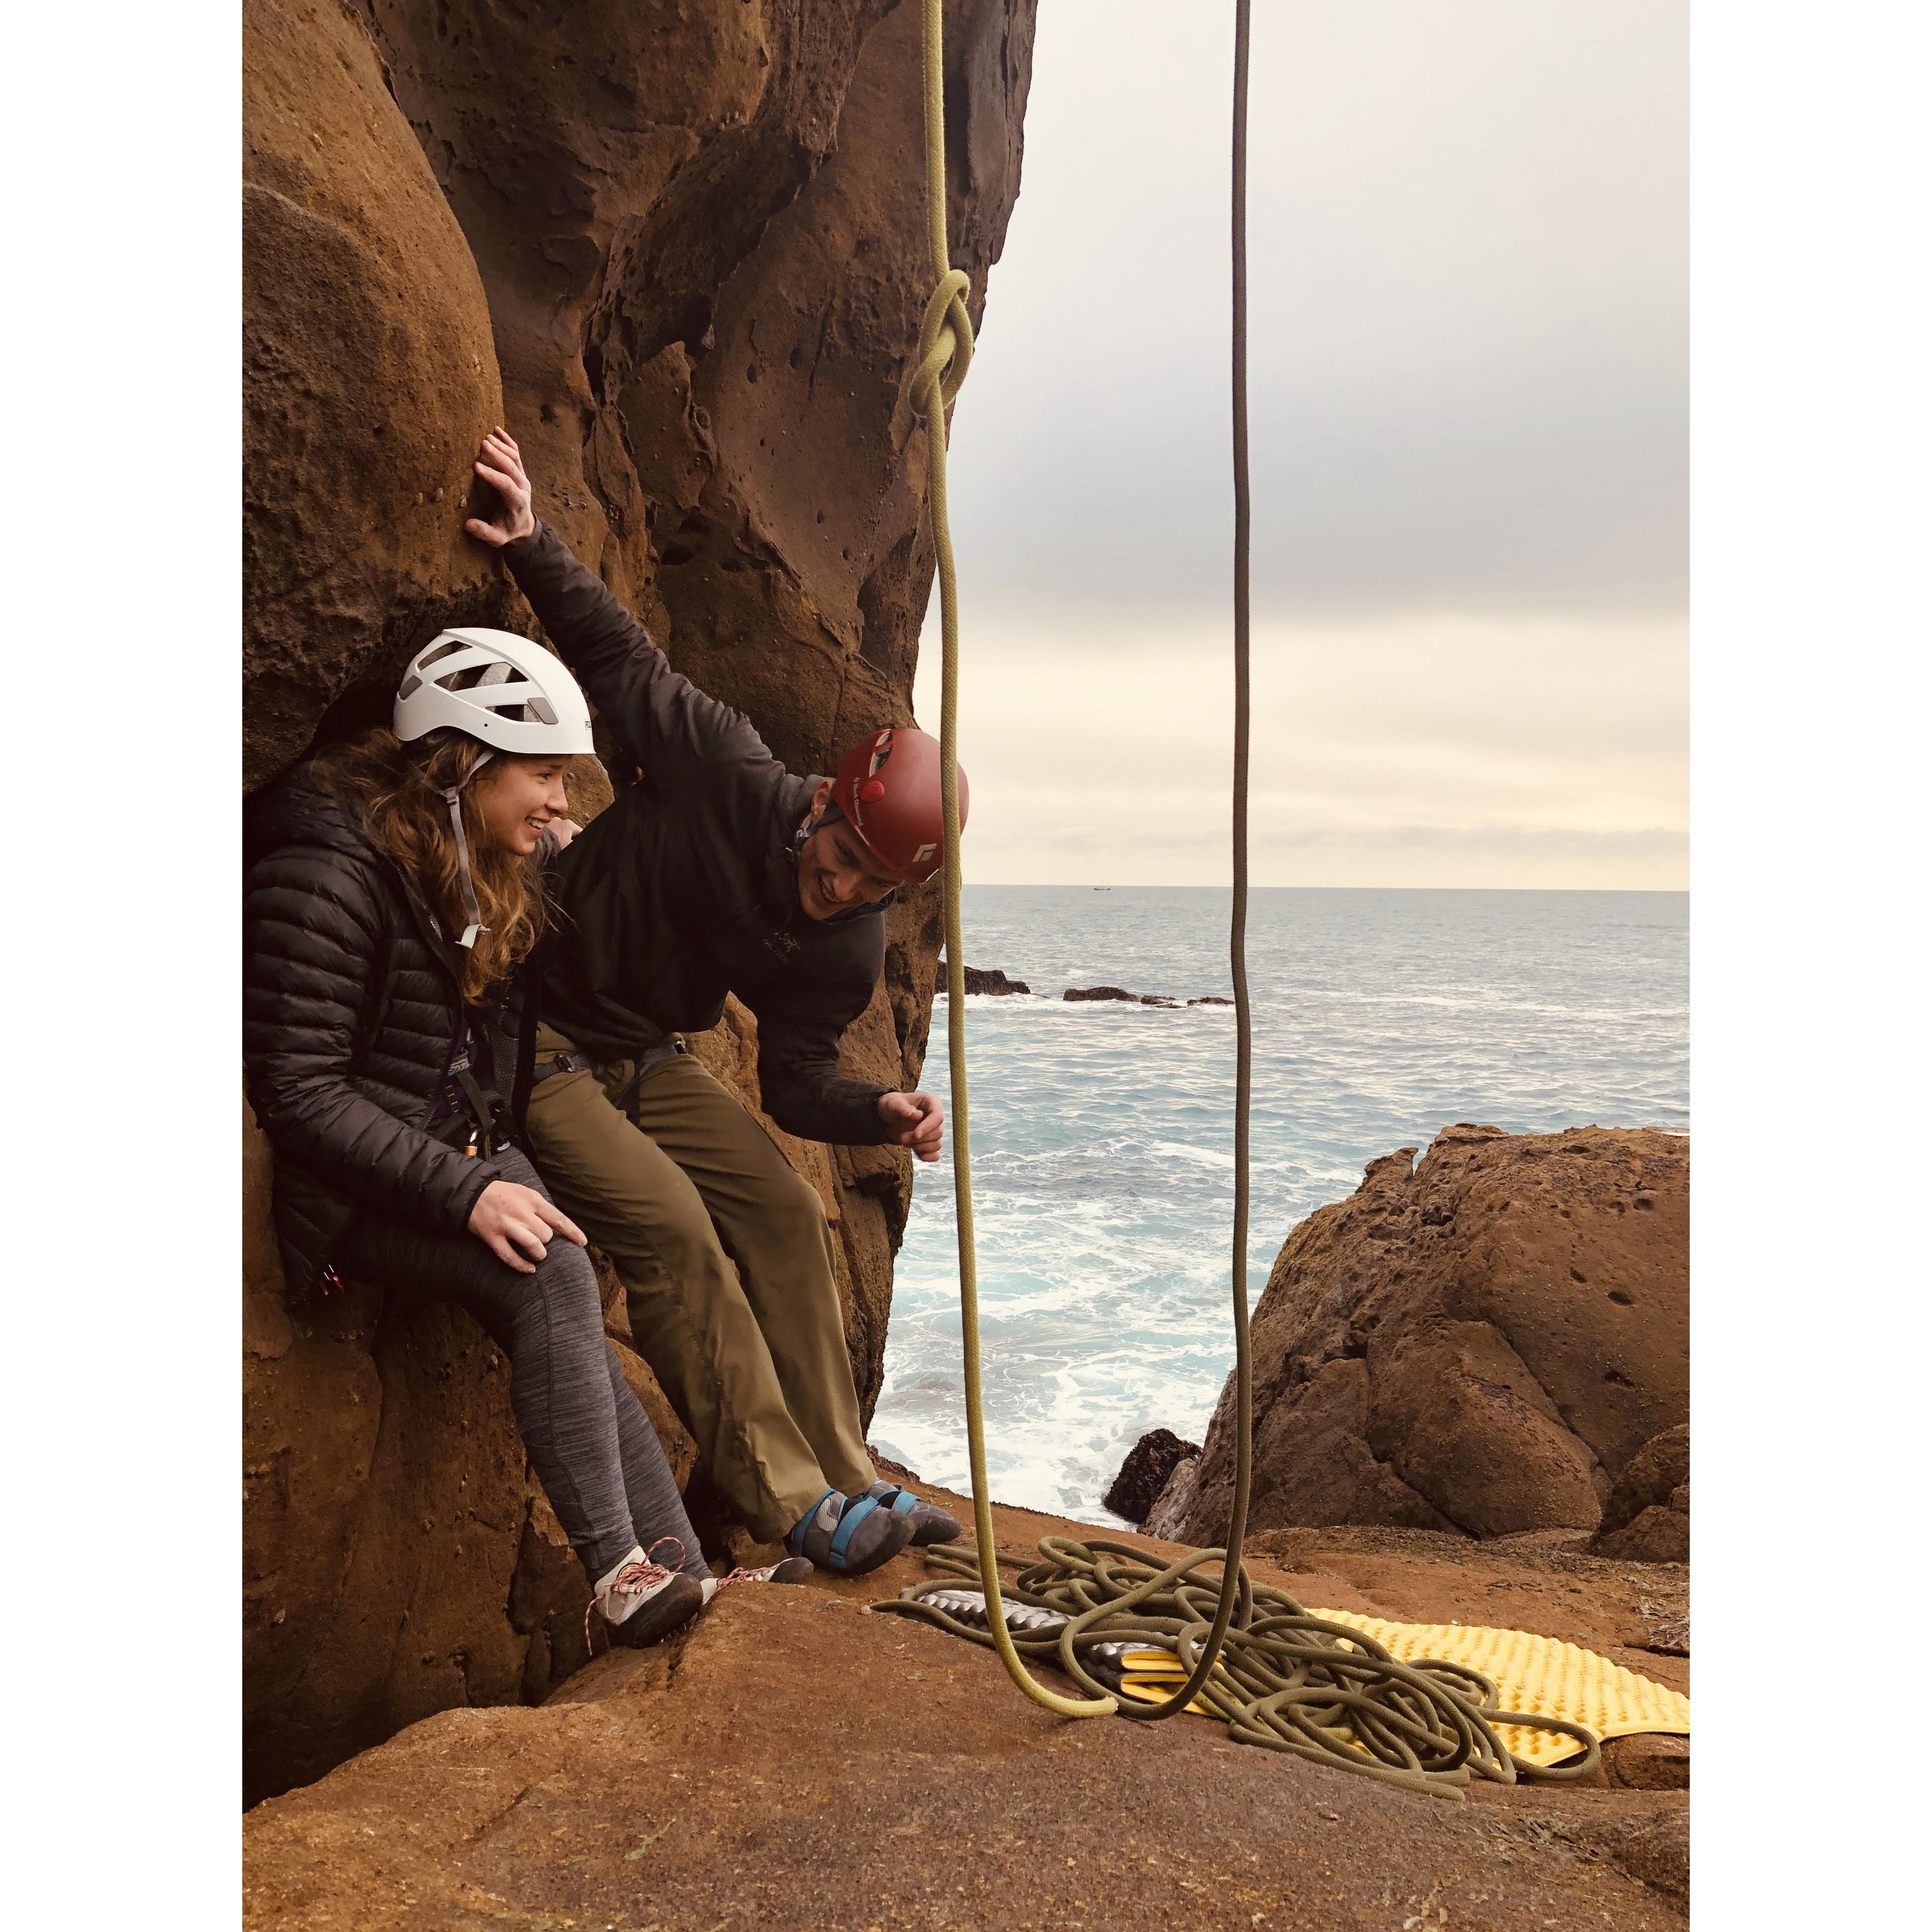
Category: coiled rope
[1282,1679]
[945,354]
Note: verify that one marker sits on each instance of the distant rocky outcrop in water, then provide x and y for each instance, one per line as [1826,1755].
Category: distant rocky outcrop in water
[1118,993]
[1142,1476]
[984,979]
[1121,994]
[1496,1340]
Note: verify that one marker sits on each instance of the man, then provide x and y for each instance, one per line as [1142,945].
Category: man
[719,871]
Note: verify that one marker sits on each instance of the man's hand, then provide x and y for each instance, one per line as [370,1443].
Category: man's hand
[507,1212]
[503,468]
[562,831]
[918,1121]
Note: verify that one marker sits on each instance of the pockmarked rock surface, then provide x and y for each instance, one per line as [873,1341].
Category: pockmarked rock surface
[1482,1341]
[368,376]
[680,254]
[796,1761]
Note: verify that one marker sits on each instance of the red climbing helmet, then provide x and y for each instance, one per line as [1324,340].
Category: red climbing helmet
[888,788]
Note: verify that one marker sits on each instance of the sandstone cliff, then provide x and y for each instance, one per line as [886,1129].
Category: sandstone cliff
[678,251]
[1482,1341]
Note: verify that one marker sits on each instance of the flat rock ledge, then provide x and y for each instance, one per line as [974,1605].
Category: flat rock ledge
[796,1761]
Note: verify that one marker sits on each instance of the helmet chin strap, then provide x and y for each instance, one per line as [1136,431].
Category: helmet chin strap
[452,796]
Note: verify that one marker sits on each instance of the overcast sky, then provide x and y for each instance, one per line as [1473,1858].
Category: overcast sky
[1467,229]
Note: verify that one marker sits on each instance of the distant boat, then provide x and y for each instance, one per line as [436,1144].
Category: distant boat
[1103,889]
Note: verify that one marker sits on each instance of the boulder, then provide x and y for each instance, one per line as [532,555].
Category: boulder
[1647,1518]
[684,260]
[1101,993]
[1482,1342]
[1142,1476]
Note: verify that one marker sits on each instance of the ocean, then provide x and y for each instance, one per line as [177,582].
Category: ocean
[1103,1133]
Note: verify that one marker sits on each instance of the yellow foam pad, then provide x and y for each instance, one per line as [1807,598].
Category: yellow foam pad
[1537,1674]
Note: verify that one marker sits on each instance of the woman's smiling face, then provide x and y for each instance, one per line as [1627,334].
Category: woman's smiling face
[517,797]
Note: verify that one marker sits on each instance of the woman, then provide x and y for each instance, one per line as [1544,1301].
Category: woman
[394,891]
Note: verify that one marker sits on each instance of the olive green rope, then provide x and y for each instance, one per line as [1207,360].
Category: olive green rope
[1283,1680]
[945,354]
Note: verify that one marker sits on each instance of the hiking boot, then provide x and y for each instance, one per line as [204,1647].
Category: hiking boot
[849,1535]
[641,1601]
[930,1523]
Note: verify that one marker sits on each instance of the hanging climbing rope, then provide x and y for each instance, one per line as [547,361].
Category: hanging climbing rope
[945,354]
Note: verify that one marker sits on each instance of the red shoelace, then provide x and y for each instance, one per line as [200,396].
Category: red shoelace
[636,1576]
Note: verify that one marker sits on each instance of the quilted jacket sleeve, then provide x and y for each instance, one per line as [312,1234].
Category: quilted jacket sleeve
[313,941]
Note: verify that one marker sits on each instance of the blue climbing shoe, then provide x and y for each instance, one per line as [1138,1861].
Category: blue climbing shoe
[849,1535]
[930,1523]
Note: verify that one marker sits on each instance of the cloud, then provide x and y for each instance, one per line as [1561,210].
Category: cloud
[1467,324]
[1413,751]
[1468,313]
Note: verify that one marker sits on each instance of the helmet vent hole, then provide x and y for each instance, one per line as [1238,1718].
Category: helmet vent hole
[441,652]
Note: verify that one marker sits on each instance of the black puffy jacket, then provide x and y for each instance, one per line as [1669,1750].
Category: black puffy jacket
[350,1017]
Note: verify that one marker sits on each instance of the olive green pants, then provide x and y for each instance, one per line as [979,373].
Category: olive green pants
[752,1355]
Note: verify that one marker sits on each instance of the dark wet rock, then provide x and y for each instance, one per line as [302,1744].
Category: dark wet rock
[985,979]
[1101,993]
[1211,1000]
[1142,1476]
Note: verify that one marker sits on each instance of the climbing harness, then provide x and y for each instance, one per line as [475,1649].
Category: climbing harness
[1284,1678]
[945,354]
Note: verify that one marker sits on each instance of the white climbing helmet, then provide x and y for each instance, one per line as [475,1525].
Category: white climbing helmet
[497,687]
[509,694]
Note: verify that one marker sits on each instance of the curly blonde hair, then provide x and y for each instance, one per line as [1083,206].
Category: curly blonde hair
[394,791]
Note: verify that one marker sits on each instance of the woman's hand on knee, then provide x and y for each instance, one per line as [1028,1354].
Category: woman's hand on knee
[508,1216]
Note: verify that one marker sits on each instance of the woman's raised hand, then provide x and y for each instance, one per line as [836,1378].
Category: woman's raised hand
[508,1212]
[501,467]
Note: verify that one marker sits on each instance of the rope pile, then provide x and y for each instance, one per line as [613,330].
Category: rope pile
[1282,1679]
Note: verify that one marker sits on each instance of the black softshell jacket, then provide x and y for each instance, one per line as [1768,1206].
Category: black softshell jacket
[351,1013]
[687,887]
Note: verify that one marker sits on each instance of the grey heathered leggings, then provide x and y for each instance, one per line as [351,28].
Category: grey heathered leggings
[593,1448]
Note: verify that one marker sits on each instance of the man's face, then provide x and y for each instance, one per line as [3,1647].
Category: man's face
[835,870]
